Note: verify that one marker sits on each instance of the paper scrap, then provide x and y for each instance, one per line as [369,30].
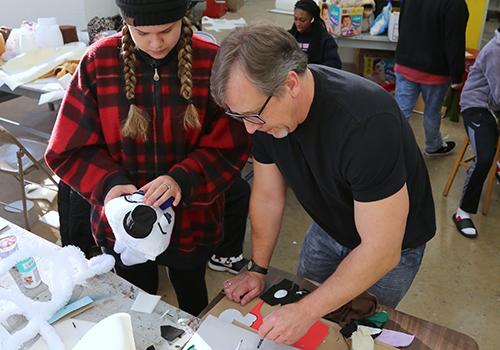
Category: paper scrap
[52,96]
[397,339]
[231,315]
[222,24]
[70,308]
[145,303]
[362,341]
[51,218]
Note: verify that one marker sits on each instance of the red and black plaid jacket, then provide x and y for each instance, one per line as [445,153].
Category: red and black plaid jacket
[88,152]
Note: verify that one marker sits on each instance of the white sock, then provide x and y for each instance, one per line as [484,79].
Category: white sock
[464,215]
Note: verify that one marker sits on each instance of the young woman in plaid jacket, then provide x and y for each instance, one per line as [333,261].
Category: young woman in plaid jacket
[138,116]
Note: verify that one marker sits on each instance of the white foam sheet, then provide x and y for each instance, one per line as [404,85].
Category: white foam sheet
[118,325]
[69,330]
[219,335]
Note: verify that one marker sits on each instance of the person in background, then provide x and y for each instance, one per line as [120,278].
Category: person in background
[429,56]
[138,116]
[310,32]
[479,102]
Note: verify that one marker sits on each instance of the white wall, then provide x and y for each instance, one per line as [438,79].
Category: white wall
[77,12]
[101,8]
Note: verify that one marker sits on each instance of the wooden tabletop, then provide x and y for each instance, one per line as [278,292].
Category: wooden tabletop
[428,335]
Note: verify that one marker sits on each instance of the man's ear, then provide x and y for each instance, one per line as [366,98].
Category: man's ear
[292,83]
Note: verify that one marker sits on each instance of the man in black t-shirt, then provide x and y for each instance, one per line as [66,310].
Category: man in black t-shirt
[341,143]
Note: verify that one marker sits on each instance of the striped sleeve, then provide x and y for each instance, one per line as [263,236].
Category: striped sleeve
[77,151]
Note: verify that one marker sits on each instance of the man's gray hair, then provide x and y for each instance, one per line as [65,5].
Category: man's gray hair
[265,52]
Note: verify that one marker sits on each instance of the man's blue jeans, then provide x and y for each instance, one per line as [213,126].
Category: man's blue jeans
[321,255]
[406,96]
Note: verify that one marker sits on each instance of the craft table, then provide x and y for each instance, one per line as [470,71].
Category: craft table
[366,41]
[32,90]
[428,336]
[112,294]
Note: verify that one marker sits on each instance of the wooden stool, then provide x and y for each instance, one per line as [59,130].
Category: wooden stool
[490,179]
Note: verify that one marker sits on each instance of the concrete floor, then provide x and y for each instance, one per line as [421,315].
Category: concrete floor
[458,285]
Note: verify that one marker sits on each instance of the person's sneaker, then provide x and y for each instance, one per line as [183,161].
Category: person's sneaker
[232,264]
[445,149]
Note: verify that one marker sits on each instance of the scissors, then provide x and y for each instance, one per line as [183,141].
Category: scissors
[238,347]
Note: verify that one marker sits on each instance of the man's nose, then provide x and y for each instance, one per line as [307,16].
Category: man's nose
[251,127]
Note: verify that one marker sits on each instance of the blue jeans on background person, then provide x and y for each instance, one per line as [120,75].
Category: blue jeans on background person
[321,255]
[406,96]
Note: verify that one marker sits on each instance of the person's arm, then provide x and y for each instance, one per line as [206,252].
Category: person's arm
[267,203]
[331,56]
[77,151]
[456,16]
[492,73]
[381,226]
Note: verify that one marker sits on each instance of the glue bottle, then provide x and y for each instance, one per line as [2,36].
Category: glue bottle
[29,273]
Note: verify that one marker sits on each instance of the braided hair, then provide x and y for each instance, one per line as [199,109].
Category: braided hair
[185,66]
[137,122]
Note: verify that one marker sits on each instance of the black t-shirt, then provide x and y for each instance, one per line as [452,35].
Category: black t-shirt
[353,145]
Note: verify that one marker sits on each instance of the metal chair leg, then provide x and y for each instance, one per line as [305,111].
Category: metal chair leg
[20,155]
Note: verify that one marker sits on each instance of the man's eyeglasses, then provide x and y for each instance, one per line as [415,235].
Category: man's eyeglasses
[254,118]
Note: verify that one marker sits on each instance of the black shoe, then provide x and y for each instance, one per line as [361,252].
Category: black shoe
[462,224]
[445,149]
[232,264]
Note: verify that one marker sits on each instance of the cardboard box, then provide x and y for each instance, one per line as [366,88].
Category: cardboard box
[378,66]
[346,21]
[234,5]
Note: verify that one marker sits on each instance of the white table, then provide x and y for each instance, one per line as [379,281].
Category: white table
[367,41]
[112,294]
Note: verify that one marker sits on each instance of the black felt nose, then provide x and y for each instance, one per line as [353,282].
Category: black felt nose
[140,221]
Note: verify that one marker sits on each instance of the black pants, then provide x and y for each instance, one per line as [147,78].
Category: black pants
[482,129]
[74,220]
[189,283]
[235,218]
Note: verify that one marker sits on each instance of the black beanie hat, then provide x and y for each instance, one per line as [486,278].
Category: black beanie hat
[152,12]
[309,6]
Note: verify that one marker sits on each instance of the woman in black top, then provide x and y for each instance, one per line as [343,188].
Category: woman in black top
[310,32]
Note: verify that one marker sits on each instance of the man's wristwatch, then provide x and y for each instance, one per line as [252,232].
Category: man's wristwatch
[252,266]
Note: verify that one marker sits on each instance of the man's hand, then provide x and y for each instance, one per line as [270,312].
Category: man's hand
[287,324]
[244,287]
[160,189]
[119,190]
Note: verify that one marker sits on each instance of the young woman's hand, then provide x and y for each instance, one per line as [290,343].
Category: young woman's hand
[160,189]
[119,190]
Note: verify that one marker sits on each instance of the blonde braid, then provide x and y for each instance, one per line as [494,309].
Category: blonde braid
[191,116]
[137,122]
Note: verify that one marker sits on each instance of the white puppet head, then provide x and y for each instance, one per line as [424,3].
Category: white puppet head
[142,232]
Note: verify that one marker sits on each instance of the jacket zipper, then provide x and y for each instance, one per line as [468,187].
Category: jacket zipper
[156,101]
